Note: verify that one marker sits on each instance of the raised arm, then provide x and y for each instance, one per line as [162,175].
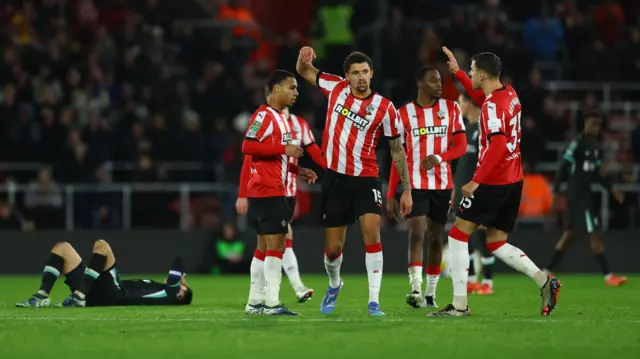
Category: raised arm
[326,82]
[478,96]
[305,68]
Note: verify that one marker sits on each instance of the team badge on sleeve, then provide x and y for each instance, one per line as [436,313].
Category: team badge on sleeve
[252,132]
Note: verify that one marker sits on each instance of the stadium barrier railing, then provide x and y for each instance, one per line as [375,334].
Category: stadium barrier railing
[182,194]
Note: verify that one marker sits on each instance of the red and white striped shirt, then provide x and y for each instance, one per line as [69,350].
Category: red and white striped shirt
[353,127]
[268,173]
[300,135]
[429,131]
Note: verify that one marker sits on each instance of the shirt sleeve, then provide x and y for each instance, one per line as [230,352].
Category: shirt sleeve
[390,122]
[306,135]
[327,82]
[494,117]
[458,123]
[401,114]
[260,127]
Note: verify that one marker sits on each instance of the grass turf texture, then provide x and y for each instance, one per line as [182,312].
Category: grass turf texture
[592,321]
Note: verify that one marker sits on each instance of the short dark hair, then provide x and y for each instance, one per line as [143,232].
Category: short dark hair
[267,91]
[489,63]
[188,296]
[277,77]
[468,98]
[356,57]
[421,72]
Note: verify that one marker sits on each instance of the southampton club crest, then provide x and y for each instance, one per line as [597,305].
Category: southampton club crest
[441,115]
[369,108]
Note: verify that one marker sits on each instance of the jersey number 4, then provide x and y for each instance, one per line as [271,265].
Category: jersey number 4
[515,133]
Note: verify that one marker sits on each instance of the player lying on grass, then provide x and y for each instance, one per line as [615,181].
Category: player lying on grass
[99,284]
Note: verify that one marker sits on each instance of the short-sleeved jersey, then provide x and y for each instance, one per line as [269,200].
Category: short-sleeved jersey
[585,156]
[353,127]
[148,292]
[302,135]
[500,114]
[429,131]
[268,173]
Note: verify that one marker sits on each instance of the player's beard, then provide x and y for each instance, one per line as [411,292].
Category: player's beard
[362,87]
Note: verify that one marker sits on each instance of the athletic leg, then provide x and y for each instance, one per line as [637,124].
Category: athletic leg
[290,265]
[62,260]
[488,262]
[370,225]
[255,304]
[417,228]
[101,260]
[562,247]
[435,236]
[596,244]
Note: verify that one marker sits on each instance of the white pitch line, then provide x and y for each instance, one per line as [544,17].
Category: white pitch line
[242,318]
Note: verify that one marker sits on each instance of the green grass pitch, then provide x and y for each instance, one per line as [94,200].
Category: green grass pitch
[592,321]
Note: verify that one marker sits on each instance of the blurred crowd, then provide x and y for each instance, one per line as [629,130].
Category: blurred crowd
[159,90]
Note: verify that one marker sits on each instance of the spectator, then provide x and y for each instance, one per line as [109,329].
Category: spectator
[43,200]
[543,34]
[229,253]
[9,220]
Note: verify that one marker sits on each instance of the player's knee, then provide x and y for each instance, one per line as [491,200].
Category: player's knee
[61,247]
[435,241]
[333,250]
[102,247]
[416,236]
[371,235]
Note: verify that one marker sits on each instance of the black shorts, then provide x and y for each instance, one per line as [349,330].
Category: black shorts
[494,206]
[431,203]
[345,198]
[291,201]
[270,215]
[106,290]
[582,217]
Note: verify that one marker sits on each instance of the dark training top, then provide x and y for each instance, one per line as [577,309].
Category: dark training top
[580,168]
[466,167]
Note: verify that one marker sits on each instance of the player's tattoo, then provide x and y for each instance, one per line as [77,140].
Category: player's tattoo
[400,160]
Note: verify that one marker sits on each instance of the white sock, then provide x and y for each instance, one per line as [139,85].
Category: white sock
[332,267]
[473,279]
[432,284]
[256,290]
[488,281]
[519,261]
[373,261]
[290,265]
[459,264]
[273,276]
[415,278]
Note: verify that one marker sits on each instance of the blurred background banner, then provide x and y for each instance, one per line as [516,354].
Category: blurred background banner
[129,115]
